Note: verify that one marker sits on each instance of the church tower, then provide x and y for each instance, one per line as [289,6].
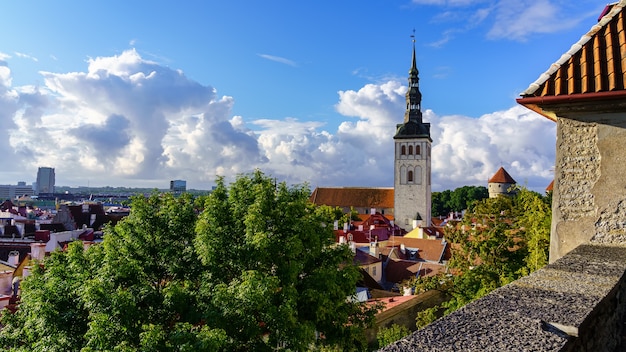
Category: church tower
[412,197]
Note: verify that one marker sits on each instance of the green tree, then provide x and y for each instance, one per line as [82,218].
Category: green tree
[257,270]
[427,316]
[499,240]
[391,334]
[274,276]
[137,291]
[535,219]
[145,294]
[439,203]
[52,315]
[458,200]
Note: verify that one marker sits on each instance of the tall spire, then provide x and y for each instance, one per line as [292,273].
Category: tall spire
[413,95]
[413,126]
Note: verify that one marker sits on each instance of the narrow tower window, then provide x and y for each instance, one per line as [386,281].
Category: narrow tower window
[410,150]
[403,150]
[409,176]
[417,150]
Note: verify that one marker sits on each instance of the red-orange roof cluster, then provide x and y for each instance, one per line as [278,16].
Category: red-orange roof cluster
[353,196]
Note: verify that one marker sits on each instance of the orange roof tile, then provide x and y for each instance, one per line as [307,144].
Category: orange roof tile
[501,176]
[363,258]
[430,250]
[399,270]
[593,68]
[353,196]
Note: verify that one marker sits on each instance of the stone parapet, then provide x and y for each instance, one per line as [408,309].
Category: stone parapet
[574,304]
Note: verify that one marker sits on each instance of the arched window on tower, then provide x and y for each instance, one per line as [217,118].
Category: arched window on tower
[409,176]
[403,150]
[410,150]
[417,150]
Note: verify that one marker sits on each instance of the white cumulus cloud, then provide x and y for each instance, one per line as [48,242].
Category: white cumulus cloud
[127,121]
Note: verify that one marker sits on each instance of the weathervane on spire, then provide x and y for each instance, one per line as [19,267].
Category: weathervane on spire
[413,36]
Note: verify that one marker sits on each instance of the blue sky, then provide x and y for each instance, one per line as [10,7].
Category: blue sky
[138,93]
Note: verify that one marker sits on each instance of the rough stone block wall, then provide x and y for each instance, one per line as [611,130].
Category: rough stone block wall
[589,203]
[574,304]
[579,168]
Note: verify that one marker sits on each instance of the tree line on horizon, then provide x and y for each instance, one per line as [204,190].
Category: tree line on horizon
[457,200]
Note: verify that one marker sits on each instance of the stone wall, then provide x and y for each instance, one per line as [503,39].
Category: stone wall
[590,187]
[574,304]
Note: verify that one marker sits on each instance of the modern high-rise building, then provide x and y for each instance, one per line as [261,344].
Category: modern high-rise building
[178,186]
[45,180]
[412,190]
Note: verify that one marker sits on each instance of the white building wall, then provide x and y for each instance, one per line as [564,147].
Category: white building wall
[412,197]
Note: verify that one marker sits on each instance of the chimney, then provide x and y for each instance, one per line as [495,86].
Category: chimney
[14,258]
[5,282]
[345,227]
[336,225]
[402,248]
[37,250]
[374,249]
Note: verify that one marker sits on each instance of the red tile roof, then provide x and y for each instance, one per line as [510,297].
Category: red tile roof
[593,68]
[358,236]
[501,176]
[378,198]
[364,258]
[399,270]
[429,250]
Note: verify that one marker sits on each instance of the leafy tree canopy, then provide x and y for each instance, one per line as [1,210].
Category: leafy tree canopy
[458,200]
[498,241]
[255,270]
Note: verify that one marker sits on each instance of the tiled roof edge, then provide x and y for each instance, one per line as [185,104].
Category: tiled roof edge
[532,88]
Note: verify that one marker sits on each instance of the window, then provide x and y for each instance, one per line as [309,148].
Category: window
[417,150]
[409,176]
[403,150]
[410,150]
[374,271]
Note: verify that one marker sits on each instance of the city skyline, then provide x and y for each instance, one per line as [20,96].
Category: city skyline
[305,92]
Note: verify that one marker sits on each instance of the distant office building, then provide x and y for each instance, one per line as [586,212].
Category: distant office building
[178,186]
[45,180]
[15,191]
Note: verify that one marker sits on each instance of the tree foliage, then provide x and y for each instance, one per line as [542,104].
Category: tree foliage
[272,269]
[391,334]
[255,270]
[498,241]
[458,200]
